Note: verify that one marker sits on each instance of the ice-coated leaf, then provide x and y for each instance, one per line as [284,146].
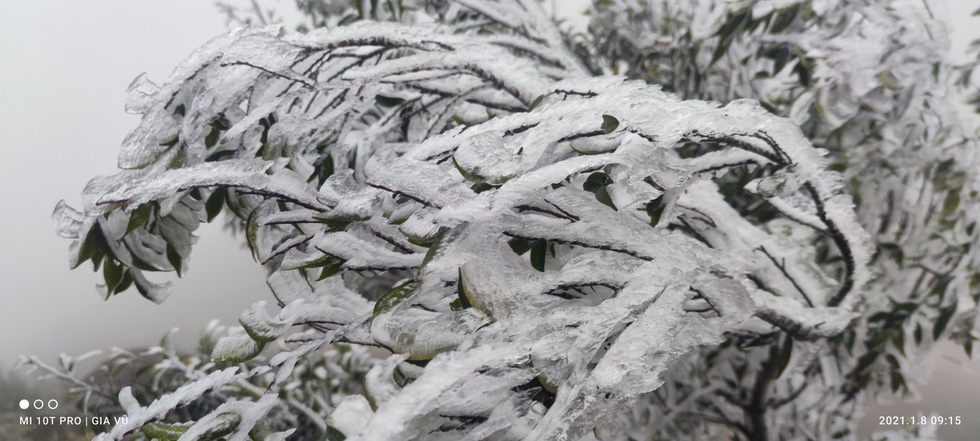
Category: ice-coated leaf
[437,190]
[351,415]
[235,173]
[236,349]
[128,402]
[212,427]
[359,254]
[139,216]
[163,431]
[259,325]
[68,221]
[379,382]
[140,95]
[139,416]
[155,292]
[609,124]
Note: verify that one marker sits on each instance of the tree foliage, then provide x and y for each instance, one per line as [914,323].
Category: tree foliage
[551,235]
[870,83]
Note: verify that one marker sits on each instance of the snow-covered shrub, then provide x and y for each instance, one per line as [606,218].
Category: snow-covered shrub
[540,252]
[317,383]
[869,82]
[968,72]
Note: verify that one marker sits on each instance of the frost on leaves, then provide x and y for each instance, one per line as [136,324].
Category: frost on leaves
[528,243]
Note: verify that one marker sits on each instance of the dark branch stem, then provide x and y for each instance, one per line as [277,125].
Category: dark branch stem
[782,269]
[842,245]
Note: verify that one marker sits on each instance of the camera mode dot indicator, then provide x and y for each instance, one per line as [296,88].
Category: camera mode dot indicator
[24,404]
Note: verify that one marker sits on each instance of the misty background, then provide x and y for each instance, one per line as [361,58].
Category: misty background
[64,68]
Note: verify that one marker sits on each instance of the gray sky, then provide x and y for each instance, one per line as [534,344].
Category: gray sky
[65,67]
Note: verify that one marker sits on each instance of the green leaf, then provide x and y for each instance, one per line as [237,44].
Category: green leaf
[727,34]
[259,325]
[538,252]
[325,167]
[595,181]
[481,187]
[331,267]
[139,217]
[212,139]
[602,195]
[388,101]
[435,248]
[784,19]
[113,274]
[178,160]
[170,142]
[609,123]
[251,233]
[889,80]
[951,203]
[467,175]
[87,246]
[456,305]
[236,349]
[519,246]
[785,354]
[262,431]
[537,101]
[655,209]
[174,258]
[318,262]
[464,301]
[899,342]
[222,122]
[143,265]
[879,316]
[461,122]
[125,283]
[332,433]
[945,314]
[163,431]
[897,380]
[394,296]
[220,426]
[97,260]
[893,362]
[880,337]
[215,203]
[589,149]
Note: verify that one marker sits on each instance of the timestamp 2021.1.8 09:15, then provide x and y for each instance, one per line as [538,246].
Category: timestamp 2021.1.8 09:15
[919,420]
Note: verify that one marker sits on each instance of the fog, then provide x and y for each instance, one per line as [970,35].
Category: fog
[66,67]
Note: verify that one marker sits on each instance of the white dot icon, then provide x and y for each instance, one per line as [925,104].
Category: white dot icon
[24,404]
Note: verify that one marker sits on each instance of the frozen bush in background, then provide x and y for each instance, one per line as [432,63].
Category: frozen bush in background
[543,249]
[871,83]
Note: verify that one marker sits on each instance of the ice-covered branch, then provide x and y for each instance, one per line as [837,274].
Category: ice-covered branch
[533,272]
